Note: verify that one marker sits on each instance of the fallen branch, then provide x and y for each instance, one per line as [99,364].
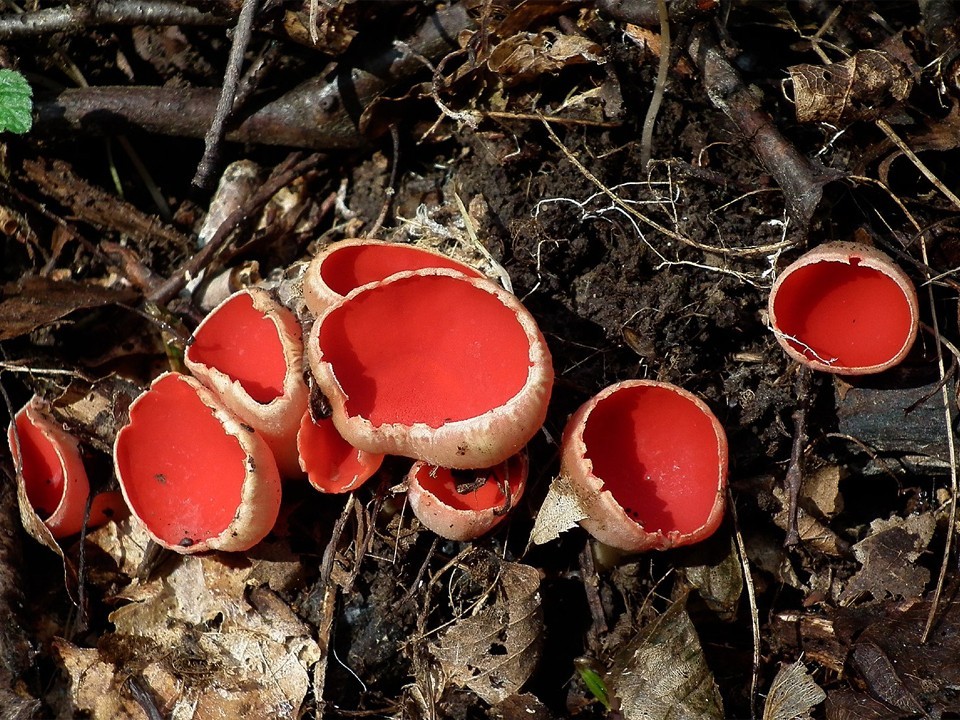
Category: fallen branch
[800,180]
[322,113]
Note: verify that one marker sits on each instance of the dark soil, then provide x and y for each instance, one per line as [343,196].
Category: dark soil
[615,298]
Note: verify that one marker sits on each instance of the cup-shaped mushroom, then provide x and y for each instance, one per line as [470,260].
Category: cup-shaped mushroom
[52,470]
[844,308]
[647,461]
[465,504]
[331,463]
[433,365]
[249,351]
[193,474]
[344,266]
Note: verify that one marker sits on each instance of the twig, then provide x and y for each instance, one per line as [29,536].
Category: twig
[322,113]
[285,173]
[794,478]
[918,163]
[948,419]
[588,576]
[801,182]
[81,16]
[231,79]
[646,138]
[751,599]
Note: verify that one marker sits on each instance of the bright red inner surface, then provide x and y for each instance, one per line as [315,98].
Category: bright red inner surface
[241,342]
[442,483]
[355,265]
[846,315]
[182,472]
[332,464]
[430,349]
[658,455]
[42,472]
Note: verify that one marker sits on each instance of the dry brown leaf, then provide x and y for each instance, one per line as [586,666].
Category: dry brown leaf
[493,651]
[661,674]
[861,87]
[719,583]
[525,56]
[561,511]
[889,554]
[793,694]
[229,650]
[35,301]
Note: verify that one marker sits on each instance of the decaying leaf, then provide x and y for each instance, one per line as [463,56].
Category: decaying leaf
[201,640]
[861,87]
[561,511]
[888,555]
[719,583]
[524,56]
[793,694]
[661,674]
[36,301]
[494,650]
[819,498]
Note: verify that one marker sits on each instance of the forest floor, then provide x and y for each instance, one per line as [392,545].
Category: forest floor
[775,127]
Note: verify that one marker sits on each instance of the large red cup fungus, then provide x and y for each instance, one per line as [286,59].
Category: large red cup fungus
[54,478]
[195,476]
[344,266]
[435,366]
[465,504]
[844,308]
[332,464]
[648,463]
[249,351]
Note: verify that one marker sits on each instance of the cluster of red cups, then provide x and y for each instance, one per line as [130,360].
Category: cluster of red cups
[421,356]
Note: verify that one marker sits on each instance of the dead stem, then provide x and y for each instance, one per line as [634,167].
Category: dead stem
[794,479]
[948,419]
[751,599]
[646,137]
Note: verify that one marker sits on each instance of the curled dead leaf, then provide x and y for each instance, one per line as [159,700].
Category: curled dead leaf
[862,87]
[493,650]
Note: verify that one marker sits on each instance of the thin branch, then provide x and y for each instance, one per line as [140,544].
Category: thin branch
[78,18]
[231,80]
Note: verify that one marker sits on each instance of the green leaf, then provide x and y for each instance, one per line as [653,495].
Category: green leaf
[594,682]
[16,103]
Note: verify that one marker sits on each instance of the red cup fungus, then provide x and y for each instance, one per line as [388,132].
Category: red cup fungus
[433,365]
[648,463]
[465,504]
[54,477]
[332,464]
[195,476]
[844,308]
[249,351]
[344,266]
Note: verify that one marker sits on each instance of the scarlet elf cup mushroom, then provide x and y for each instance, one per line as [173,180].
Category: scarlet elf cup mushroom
[844,308]
[433,365]
[332,464]
[195,476]
[346,265]
[465,504]
[53,474]
[249,351]
[647,462]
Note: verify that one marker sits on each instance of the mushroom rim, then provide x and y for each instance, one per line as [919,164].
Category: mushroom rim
[527,406]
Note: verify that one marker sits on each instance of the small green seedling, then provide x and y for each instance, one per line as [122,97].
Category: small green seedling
[587,668]
[16,102]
